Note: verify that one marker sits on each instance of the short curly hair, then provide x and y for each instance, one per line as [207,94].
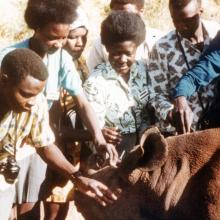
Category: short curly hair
[42,12]
[122,26]
[138,3]
[180,4]
[20,63]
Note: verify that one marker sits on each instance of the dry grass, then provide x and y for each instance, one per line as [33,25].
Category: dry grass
[13,28]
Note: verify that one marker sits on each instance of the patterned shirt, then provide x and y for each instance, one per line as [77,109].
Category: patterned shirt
[167,65]
[32,126]
[117,103]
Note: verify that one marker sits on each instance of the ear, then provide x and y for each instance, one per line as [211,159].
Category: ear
[201,10]
[201,6]
[131,160]
[155,149]
[3,77]
[141,11]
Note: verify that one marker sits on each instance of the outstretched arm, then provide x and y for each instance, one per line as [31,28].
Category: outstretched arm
[92,188]
[206,70]
[90,120]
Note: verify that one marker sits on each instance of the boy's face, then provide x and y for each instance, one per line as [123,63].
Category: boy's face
[22,95]
[52,36]
[122,56]
[127,7]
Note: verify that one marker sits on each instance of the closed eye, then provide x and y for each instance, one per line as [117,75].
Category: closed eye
[25,94]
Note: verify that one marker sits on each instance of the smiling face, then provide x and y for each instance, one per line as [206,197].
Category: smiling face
[76,42]
[187,19]
[22,95]
[52,36]
[122,56]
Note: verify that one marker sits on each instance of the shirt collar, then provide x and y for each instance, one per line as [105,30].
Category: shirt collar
[206,36]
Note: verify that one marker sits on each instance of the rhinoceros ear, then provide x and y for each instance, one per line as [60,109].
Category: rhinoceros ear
[131,160]
[155,149]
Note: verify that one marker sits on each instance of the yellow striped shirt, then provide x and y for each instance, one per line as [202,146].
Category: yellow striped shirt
[31,127]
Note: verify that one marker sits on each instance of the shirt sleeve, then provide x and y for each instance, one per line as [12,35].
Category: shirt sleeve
[161,105]
[41,133]
[158,83]
[94,91]
[69,77]
[206,70]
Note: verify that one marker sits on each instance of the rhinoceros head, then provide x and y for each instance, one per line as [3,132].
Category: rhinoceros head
[150,154]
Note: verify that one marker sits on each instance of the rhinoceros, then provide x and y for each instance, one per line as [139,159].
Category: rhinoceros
[169,178]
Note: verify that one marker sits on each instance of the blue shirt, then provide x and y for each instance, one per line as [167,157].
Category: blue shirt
[204,72]
[62,72]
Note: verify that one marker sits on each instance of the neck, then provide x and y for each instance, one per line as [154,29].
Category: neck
[3,103]
[126,77]
[198,36]
[36,46]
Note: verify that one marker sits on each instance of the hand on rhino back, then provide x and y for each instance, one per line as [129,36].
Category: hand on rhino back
[96,190]
[163,178]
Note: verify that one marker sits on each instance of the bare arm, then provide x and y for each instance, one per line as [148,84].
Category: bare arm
[92,188]
[54,157]
[90,120]
[182,115]
[112,135]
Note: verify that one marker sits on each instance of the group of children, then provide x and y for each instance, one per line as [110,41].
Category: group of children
[124,86]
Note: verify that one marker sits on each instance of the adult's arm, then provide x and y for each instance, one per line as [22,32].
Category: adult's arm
[206,70]
[42,138]
[71,82]
[158,81]
[92,188]
[90,120]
